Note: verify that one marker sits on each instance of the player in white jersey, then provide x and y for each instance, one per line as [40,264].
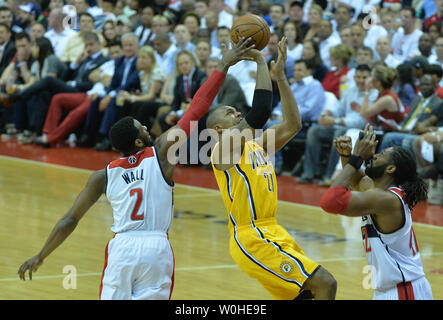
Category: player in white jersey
[139,263]
[383,195]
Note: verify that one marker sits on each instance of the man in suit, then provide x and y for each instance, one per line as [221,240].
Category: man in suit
[7,47]
[425,115]
[230,93]
[186,85]
[103,112]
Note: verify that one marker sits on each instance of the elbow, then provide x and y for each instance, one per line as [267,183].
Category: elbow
[335,200]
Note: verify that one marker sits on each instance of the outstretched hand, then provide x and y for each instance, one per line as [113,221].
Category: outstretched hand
[30,265]
[278,68]
[237,53]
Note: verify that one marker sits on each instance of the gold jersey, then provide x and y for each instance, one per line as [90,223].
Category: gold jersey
[249,189]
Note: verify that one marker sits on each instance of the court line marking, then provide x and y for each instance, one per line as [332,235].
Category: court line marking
[65,167]
[199,268]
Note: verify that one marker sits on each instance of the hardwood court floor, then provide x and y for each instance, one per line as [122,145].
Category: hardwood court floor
[34,195]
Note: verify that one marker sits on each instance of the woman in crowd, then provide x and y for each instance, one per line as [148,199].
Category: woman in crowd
[340,56]
[405,85]
[387,110]
[311,53]
[314,19]
[294,45]
[139,105]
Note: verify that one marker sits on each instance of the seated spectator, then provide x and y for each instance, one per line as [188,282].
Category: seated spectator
[384,51]
[164,53]
[294,43]
[405,40]
[202,52]
[434,32]
[276,15]
[295,14]
[143,31]
[340,56]
[426,115]
[436,72]
[327,40]
[314,20]
[386,112]
[425,45]
[151,81]
[37,31]
[419,65]
[311,53]
[43,90]
[76,43]
[405,86]
[186,85]
[438,57]
[76,104]
[58,32]
[182,39]
[109,32]
[230,92]
[7,47]
[46,63]
[192,22]
[272,54]
[346,36]
[18,74]
[309,94]
[342,18]
[427,169]
[358,34]
[364,55]
[331,124]
[103,111]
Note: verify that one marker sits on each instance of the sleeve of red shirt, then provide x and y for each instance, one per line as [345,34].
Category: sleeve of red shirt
[202,101]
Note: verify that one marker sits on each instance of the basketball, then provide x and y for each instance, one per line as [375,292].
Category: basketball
[252,26]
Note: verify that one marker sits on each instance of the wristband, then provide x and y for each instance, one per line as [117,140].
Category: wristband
[355,161]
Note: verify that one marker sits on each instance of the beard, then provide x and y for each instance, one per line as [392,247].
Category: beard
[148,141]
[376,172]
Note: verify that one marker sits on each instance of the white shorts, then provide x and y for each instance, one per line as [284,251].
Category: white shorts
[419,289]
[139,265]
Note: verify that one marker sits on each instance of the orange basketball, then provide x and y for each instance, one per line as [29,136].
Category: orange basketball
[252,26]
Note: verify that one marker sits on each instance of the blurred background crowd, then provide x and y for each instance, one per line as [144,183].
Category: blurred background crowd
[70,69]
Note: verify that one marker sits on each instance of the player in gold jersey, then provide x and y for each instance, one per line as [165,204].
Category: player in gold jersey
[262,248]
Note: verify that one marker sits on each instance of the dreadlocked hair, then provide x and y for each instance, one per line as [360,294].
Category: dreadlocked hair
[415,188]
[123,134]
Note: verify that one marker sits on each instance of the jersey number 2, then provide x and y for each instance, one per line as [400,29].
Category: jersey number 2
[134,214]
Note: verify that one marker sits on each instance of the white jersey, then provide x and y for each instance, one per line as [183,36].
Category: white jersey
[395,256]
[139,195]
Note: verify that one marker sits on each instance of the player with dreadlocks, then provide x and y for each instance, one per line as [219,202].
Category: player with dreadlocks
[384,196]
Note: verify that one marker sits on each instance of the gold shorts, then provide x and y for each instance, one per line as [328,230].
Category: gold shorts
[267,252]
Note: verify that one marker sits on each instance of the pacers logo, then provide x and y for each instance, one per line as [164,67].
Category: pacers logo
[132,160]
[287,267]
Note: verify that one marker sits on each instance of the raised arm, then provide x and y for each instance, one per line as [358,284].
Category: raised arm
[65,226]
[200,104]
[233,140]
[291,124]
[338,199]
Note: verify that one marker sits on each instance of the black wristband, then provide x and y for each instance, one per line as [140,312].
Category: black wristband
[261,109]
[355,161]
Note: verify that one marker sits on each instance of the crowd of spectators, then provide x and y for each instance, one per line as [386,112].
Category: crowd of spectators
[70,69]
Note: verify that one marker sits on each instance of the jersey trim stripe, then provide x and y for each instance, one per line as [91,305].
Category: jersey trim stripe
[228,183]
[160,166]
[277,246]
[125,164]
[253,259]
[248,188]
[405,291]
